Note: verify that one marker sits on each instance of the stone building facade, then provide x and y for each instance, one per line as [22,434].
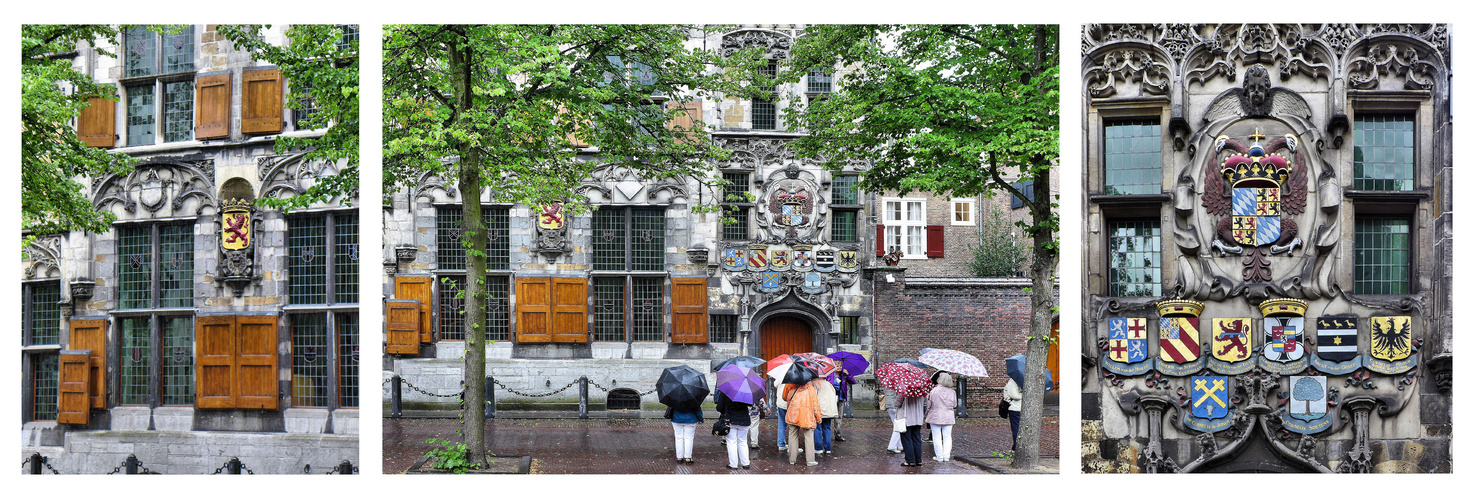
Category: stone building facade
[202,326]
[1268,215]
[644,281]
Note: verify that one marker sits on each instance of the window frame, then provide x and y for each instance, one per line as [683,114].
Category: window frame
[738,209]
[1363,213]
[156,279]
[729,323]
[158,81]
[1402,109]
[330,254]
[1104,153]
[970,210]
[902,225]
[771,105]
[33,355]
[1108,267]
[336,312]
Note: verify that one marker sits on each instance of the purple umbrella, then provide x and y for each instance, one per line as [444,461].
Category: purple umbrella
[854,363]
[741,384]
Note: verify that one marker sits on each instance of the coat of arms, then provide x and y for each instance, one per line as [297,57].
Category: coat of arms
[1179,339]
[801,258]
[758,257]
[551,216]
[1282,339]
[1128,340]
[848,262]
[1309,398]
[1230,340]
[1255,191]
[814,283]
[1390,337]
[1210,397]
[734,259]
[771,281]
[779,260]
[1338,338]
[825,260]
[791,207]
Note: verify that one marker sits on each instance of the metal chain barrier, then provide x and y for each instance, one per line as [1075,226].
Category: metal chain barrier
[608,390]
[233,466]
[423,391]
[40,460]
[135,463]
[541,395]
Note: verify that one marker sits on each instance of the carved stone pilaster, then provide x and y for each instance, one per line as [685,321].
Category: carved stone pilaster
[1440,368]
[1155,461]
[1360,458]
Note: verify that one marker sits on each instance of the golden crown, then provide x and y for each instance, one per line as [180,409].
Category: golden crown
[1179,307]
[1284,307]
[236,205]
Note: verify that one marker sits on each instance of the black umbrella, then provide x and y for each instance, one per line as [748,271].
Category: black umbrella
[744,361]
[1015,368]
[912,361]
[681,387]
[799,373]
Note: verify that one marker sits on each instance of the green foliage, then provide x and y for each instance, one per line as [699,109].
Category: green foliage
[1000,252]
[53,95]
[450,457]
[319,69]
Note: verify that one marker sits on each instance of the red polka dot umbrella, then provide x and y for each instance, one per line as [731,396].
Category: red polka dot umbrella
[906,379]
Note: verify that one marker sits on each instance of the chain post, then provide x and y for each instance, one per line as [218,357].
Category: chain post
[584,397]
[959,408]
[395,396]
[233,466]
[488,410]
[130,464]
[345,467]
[36,464]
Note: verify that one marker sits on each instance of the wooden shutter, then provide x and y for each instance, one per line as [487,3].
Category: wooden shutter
[402,326]
[935,241]
[881,240]
[213,106]
[261,101]
[418,288]
[689,310]
[256,362]
[92,335]
[95,126]
[692,115]
[72,405]
[215,360]
[534,308]
[568,323]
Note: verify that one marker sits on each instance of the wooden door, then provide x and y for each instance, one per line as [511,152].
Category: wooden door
[92,335]
[73,401]
[256,362]
[690,310]
[783,335]
[417,288]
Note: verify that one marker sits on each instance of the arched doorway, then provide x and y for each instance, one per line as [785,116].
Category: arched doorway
[784,335]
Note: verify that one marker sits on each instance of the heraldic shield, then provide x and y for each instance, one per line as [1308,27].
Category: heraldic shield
[1390,337]
[734,259]
[1127,340]
[1210,397]
[1338,338]
[1256,215]
[1282,341]
[1179,339]
[1231,339]
[236,229]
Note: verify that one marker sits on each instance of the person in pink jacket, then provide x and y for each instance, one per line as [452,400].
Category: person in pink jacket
[941,403]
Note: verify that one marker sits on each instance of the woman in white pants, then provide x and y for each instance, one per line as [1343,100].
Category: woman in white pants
[941,403]
[684,427]
[895,444]
[737,415]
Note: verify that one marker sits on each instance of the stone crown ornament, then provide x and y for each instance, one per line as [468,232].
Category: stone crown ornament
[1178,307]
[1256,168]
[1284,307]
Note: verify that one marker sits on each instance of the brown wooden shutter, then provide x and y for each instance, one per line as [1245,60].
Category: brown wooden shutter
[92,335]
[935,241]
[213,106]
[261,101]
[95,126]
[571,300]
[256,362]
[72,404]
[215,362]
[690,310]
[535,308]
[881,240]
[402,326]
[418,288]
[691,116]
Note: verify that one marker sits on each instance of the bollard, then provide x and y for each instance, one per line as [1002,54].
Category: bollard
[488,410]
[233,466]
[394,396]
[130,465]
[36,461]
[959,408]
[345,467]
[584,397]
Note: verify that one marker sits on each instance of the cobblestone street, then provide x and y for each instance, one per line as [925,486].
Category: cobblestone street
[645,446]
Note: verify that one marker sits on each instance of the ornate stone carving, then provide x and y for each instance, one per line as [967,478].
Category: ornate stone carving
[240,226]
[791,208]
[43,257]
[152,187]
[1128,65]
[755,153]
[553,231]
[291,174]
[774,45]
[1384,59]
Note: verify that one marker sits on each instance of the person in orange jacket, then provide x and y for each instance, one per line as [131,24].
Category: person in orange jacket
[802,416]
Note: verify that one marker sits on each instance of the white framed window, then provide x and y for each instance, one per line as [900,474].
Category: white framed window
[905,222]
[961,211]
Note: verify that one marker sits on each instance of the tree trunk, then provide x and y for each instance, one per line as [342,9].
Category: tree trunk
[1043,265]
[474,231]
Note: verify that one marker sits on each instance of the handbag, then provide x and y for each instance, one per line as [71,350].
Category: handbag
[1004,408]
[900,424]
[720,428]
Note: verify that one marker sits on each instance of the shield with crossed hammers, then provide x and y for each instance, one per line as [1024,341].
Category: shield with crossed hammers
[1210,397]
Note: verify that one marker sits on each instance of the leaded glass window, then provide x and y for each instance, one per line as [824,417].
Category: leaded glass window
[348,360]
[310,360]
[43,312]
[141,115]
[453,310]
[160,90]
[1384,152]
[736,208]
[610,309]
[844,191]
[346,257]
[134,369]
[1381,255]
[629,239]
[178,355]
[762,116]
[1131,156]
[848,330]
[843,225]
[44,377]
[137,255]
[309,259]
[350,38]
[451,254]
[177,265]
[179,111]
[738,227]
[819,80]
[179,50]
[722,328]
[140,49]
[1134,258]
[646,306]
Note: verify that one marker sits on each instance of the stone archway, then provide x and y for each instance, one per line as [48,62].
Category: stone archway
[787,322]
[784,335]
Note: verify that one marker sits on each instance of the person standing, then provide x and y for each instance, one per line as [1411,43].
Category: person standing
[913,409]
[843,391]
[941,403]
[1012,395]
[826,395]
[802,416]
[891,401]
[684,427]
[757,412]
[737,415]
[782,405]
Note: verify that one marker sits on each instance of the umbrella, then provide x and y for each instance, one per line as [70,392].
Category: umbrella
[681,387]
[950,360]
[906,379]
[822,365]
[799,373]
[1015,368]
[854,363]
[744,361]
[741,384]
[912,361]
[777,367]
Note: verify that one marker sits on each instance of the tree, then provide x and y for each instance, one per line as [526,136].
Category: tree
[1000,252]
[949,110]
[53,95]
[530,111]
[321,65]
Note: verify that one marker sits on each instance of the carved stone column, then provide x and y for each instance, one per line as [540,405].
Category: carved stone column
[1155,461]
[1360,458]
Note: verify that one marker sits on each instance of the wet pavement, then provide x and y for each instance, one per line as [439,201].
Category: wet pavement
[645,446]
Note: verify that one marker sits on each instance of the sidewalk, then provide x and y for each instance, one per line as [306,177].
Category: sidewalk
[644,446]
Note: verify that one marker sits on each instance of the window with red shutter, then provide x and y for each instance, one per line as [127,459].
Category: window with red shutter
[935,241]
